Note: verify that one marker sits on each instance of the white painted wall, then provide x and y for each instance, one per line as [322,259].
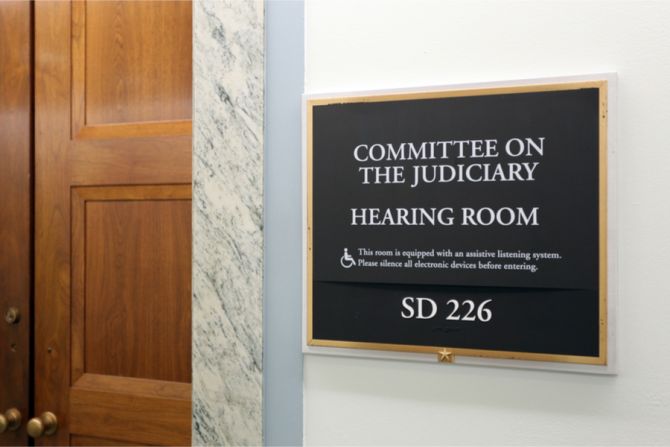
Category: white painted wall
[367,44]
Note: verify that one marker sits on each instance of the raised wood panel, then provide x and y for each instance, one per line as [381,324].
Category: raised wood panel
[131,281]
[131,67]
[15,221]
[133,410]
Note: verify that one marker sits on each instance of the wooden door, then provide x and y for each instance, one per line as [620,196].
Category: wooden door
[15,239]
[113,221]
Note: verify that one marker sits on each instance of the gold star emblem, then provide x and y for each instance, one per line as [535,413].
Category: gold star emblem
[445,356]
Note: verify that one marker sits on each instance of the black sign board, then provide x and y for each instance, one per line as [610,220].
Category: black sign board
[461,222]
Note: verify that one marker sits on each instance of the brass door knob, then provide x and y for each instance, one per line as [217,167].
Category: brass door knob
[44,425]
[10,420]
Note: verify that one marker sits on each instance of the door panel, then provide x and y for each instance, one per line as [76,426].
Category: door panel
[15,220]
[127,59]
[123,279]
[127,79]
[113,221]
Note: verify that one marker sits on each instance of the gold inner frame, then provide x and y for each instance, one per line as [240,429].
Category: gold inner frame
[601,85]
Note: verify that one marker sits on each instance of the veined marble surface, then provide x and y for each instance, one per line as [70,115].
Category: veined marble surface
[228,71]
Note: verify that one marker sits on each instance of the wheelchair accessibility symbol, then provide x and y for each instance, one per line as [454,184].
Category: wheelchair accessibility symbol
[347,260]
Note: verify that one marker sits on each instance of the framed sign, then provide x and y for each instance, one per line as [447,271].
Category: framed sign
[463,223]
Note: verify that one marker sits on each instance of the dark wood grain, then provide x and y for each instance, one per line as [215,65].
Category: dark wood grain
[15,239]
